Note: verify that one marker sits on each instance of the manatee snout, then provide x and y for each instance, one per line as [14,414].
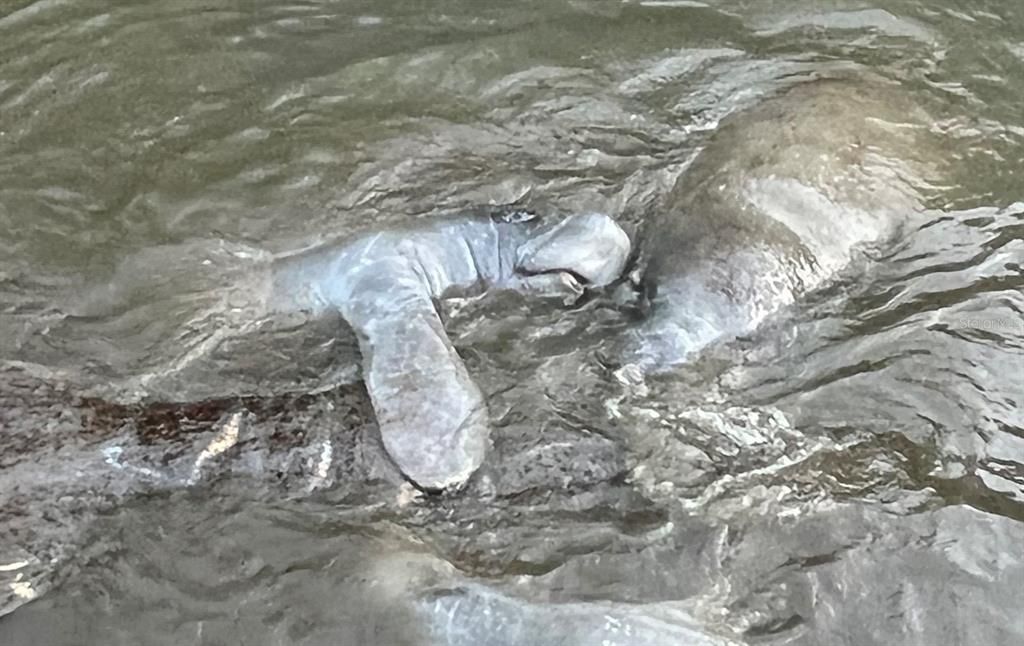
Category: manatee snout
[591,248]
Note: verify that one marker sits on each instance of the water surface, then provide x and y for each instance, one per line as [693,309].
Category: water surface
[853,473]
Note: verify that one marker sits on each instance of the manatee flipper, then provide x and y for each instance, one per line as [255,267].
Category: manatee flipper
[432,417]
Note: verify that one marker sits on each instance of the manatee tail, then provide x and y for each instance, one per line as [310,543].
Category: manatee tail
[432,417]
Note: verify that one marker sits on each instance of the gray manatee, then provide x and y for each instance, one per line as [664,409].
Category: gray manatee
[432,416]
[777,202]
[440,606]
[474,614]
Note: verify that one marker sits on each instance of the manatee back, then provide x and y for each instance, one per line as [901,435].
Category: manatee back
[776,202]
[810,174]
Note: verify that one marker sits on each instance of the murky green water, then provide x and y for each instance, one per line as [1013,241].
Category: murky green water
[853,473]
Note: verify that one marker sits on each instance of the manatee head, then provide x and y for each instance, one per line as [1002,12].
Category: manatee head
[588,249]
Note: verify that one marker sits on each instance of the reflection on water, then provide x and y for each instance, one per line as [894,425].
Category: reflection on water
[851,473]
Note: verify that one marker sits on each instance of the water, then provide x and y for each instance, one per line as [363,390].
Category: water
[852,473]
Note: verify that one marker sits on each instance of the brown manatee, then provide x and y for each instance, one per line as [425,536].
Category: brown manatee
[777,202]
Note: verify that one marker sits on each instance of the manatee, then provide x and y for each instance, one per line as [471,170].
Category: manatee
[432,417]
[473,614]
[775,204]
[438,605]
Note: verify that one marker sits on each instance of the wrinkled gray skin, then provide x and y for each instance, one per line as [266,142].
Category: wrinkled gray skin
[432,417]
[777,202]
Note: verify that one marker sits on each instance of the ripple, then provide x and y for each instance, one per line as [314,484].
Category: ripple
[850,472]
